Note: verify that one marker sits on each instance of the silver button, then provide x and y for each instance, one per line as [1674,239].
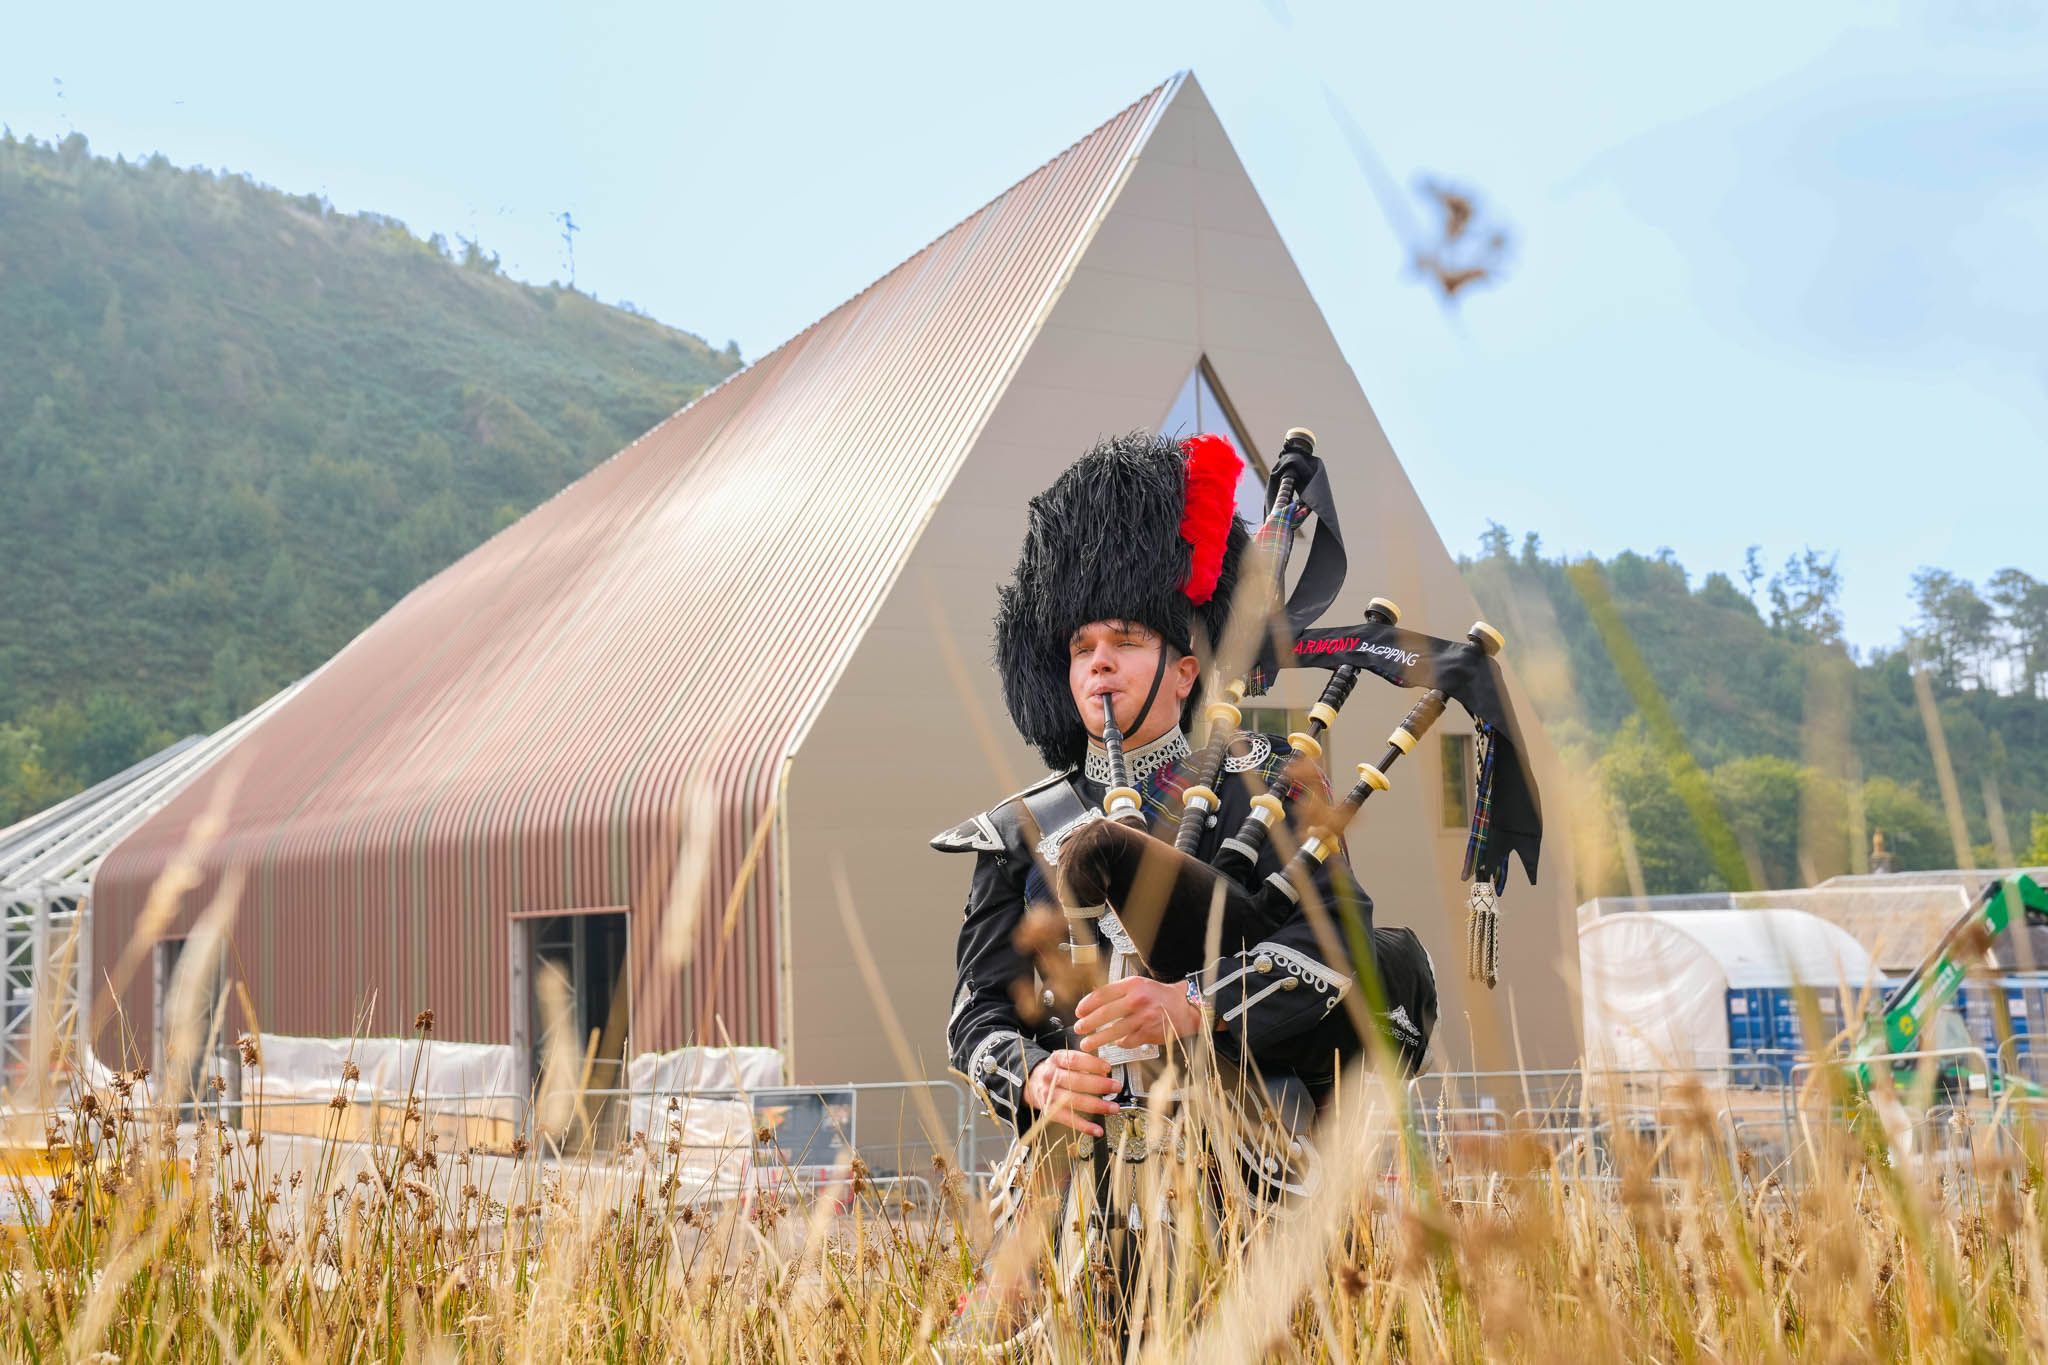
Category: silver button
[1262,964]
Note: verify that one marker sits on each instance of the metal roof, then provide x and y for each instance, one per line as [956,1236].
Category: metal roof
[593,709]
[64,844]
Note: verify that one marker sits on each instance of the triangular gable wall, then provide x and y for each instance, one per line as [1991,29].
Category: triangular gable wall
[1186,263]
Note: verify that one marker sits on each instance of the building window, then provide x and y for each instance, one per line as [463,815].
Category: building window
[1458,780]
[1268,719]
[1201,407]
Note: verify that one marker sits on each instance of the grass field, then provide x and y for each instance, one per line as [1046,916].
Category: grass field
[1857,1232]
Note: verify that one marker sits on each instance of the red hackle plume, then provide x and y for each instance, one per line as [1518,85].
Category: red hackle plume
[1213,467]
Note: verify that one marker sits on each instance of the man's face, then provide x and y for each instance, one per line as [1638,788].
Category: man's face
[1118,659]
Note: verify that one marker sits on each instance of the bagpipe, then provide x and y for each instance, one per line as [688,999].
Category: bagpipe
[1273,628]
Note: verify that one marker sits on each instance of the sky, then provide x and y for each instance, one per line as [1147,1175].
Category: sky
[1778,277]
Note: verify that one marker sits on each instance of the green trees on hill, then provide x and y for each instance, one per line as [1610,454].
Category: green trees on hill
[1723,737]
[236,426]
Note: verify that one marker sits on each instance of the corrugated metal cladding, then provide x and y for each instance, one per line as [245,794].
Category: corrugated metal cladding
[574,714]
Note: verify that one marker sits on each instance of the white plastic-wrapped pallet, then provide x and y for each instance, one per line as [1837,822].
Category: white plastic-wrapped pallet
[710,1129]
[311,1068]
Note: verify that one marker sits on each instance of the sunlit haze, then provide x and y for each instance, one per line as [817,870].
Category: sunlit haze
[1778,272]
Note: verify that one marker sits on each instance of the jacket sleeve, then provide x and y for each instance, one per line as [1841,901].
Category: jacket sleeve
[987,1040]
[1277,989]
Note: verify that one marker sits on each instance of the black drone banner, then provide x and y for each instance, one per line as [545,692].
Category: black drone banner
[1322,575]
[1408,658]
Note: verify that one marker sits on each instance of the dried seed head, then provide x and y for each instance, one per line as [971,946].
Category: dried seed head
[423,1022]
[1038,931]
[252,1055]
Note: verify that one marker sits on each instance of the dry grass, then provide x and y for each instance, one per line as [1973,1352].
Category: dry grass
[1686,1223]
[1565,1237]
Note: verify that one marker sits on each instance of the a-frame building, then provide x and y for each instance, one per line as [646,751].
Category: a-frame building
[674,728]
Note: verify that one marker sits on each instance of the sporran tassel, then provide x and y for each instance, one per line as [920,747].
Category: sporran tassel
[1482,919]
[1482,943]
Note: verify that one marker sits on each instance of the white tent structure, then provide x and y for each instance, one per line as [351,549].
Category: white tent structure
[1662,988]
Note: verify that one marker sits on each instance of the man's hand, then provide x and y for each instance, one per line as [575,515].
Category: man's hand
[1069,1086]
[1134,1011]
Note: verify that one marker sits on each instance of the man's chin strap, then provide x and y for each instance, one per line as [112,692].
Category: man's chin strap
[1158,677]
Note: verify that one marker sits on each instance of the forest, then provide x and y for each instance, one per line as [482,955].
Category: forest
[1723,736]
[237,425]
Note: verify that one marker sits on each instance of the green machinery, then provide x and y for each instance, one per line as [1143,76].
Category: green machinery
[1914,1007]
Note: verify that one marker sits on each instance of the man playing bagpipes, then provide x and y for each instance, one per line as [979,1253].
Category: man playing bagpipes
[1127,578]
[1127,553]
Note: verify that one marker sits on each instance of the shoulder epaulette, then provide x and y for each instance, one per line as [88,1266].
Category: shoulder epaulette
[982,833]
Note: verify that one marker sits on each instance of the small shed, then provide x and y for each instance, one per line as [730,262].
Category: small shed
[1694,989]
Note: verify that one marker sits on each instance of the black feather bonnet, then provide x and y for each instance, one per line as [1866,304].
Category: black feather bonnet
[1114,538]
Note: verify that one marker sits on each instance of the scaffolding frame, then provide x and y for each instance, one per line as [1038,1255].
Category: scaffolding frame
[47,864]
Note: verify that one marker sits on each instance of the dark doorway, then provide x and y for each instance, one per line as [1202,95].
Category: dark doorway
[581,1008]
[206,1031]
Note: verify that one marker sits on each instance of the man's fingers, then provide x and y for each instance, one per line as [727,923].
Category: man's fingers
[1077,1085]
[1097,1020]
[1072,1108]
[1148,1025]
[1081,1102]
[1085,1082]
[1075,1122]
[1111,994]
[1111,1033]
[1133,1032]
[1066,1059]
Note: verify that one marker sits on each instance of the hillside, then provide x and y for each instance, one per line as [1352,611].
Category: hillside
[1743,743]
[236,425]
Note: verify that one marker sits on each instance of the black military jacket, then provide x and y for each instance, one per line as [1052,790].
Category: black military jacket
[1278,998]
